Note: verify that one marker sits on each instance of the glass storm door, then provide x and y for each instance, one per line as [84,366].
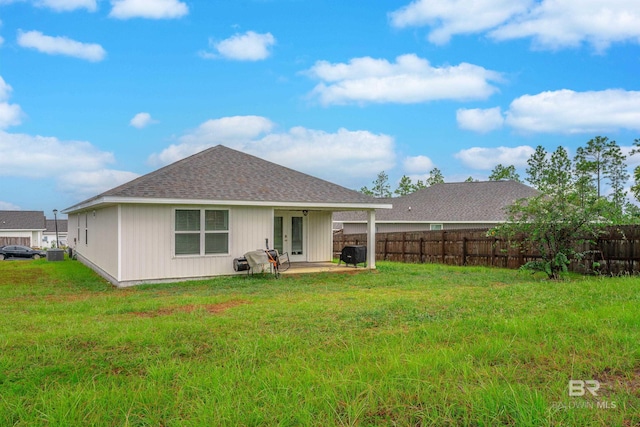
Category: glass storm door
[289,235]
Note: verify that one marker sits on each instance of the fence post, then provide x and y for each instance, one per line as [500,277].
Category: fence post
[464,251]
[404,255]
[386,253]
[493,252]
[630,255]
[421,251]
[521,249]
[443,246]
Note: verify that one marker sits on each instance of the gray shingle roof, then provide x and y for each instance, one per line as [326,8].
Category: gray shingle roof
[456,202]
[62,225]
[22,220]
[223,174]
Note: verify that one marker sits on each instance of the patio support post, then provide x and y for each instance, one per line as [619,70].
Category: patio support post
[371,240]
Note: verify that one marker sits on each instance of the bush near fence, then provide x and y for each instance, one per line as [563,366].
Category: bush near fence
[617,251]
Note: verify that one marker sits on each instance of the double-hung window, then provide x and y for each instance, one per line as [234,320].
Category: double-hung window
[201,231]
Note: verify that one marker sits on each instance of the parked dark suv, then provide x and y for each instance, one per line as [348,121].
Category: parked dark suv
[15,251]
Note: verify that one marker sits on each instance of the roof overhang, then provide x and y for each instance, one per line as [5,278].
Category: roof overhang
[329,206]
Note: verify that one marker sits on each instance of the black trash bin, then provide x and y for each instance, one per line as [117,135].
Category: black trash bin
[353,255]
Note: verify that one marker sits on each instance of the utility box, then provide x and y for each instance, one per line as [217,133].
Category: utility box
[55,255]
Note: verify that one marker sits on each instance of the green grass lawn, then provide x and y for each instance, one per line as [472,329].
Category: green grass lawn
[407,345]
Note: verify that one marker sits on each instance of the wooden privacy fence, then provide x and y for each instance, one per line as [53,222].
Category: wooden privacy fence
[617,251]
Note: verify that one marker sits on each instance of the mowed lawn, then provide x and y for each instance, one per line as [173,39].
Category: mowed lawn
[407,345]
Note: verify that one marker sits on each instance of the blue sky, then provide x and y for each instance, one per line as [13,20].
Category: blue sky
[94,93]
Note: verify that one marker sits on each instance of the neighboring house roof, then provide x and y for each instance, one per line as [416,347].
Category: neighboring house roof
[22,220]
[223,174]
[62,226]
[479,201]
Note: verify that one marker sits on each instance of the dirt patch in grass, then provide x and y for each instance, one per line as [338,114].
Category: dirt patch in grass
[16,276]
[616,381]
[189,308]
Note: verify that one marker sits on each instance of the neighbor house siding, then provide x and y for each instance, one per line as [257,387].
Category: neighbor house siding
[148,242]
[359,228]
[320,241]
[33,236]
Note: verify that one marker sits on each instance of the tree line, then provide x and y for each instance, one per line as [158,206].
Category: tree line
[597,165]
[571,208]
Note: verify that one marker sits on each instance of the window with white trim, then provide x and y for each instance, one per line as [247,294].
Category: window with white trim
[435,227]
[201,231]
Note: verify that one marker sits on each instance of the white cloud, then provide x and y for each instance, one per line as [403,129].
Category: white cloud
[61,46]
[632,160]
[556,24]
[7,206]
[353,155]
[417,164]
[68,5]
[566,111]
[150,9]
[84,184]
[487,158]
[142,120]
[409,80]
[417,168]
[5,90]
[228,131]
[249,46]
[10,114]
[1,41]
[70,163]
[480,120]
[562,111]
[451,17]
[60,5]
[552,24]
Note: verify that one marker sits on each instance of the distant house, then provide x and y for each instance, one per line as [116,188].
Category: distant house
[191,218]
[22,228]
[49,235]
[442,207]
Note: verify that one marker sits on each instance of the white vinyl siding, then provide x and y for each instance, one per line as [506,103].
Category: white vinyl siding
[135,243]
[101,248]
[320,241]
[148,242]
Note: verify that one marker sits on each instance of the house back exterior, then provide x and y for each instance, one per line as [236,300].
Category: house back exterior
[190,219]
